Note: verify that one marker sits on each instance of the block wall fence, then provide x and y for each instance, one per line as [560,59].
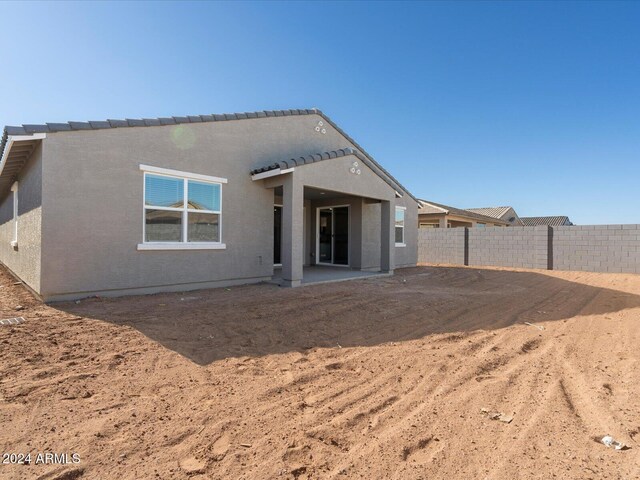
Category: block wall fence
[592,248]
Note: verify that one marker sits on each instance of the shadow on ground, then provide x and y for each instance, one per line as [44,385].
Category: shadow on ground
[256,320]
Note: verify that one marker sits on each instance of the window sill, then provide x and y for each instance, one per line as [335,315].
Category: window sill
[401,244]
[182,246]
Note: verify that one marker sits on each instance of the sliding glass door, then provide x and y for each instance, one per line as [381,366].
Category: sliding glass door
[333,236]
[277,235]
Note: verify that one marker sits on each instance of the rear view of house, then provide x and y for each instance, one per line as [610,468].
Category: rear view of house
[141,206]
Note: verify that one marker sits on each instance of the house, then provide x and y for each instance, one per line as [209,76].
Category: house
[171,204]
[507,214]
[557,221]
[436,215]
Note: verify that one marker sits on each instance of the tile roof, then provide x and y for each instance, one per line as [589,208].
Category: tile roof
[493,212]
[153,122]
[297,162]
[428,206]
[319,157]
[556,221]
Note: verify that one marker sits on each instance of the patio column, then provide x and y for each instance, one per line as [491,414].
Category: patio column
[292,231]
[387,237]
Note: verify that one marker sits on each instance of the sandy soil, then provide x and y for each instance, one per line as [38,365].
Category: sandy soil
[379,378]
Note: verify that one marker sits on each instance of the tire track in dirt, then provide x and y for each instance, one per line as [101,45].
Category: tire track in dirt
[401,400]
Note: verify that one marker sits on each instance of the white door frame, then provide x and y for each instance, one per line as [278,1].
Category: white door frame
[328,207]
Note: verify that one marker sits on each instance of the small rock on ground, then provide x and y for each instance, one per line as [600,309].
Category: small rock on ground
[192,465]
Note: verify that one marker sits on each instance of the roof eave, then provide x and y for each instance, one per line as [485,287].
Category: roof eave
[92,125]
[12,161]
[287,166]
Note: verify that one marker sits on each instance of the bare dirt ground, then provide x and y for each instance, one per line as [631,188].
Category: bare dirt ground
[378,378]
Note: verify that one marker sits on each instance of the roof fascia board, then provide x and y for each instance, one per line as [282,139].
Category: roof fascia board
[366,154]
[375,168]
[443,210]
[271,173]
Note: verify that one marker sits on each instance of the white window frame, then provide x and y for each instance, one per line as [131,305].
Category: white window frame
[404,211]
[14,189]
[185,177]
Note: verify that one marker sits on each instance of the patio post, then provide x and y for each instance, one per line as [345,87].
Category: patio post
[387,237]
[292,230]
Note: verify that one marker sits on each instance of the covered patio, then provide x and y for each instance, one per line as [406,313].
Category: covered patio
[334,218]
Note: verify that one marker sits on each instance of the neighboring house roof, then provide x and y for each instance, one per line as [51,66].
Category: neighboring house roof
[430,207]
[504,213]
[556,221]
[493,212]
[319,157]
[155,122]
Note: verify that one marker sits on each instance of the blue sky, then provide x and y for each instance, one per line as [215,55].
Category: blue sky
[535,105]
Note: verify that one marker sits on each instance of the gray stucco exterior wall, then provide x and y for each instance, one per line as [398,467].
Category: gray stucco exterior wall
[25,260]
[407,256]
[93,197]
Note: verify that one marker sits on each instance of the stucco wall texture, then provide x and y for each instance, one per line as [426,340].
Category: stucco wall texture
[91,187]
[593,248]
[25,260]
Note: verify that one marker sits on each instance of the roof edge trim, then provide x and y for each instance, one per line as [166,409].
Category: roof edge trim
[111,123]
[11,140]
[443,210]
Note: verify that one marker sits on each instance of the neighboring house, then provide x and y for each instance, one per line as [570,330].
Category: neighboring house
[506,214]
[436,215]
[140,206]
[557,221]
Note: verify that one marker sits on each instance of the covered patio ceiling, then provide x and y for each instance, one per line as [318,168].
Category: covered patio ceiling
[311,193]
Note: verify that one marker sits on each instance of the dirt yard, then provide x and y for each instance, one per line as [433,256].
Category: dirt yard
[382,378]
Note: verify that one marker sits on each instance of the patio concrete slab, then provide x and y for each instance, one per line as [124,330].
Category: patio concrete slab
[327,274]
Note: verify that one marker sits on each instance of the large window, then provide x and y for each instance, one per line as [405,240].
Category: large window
[181,210]
[400,226]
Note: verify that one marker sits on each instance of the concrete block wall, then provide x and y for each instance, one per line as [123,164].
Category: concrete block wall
[521,247]
[439,245]
[593,248]
[597,248]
